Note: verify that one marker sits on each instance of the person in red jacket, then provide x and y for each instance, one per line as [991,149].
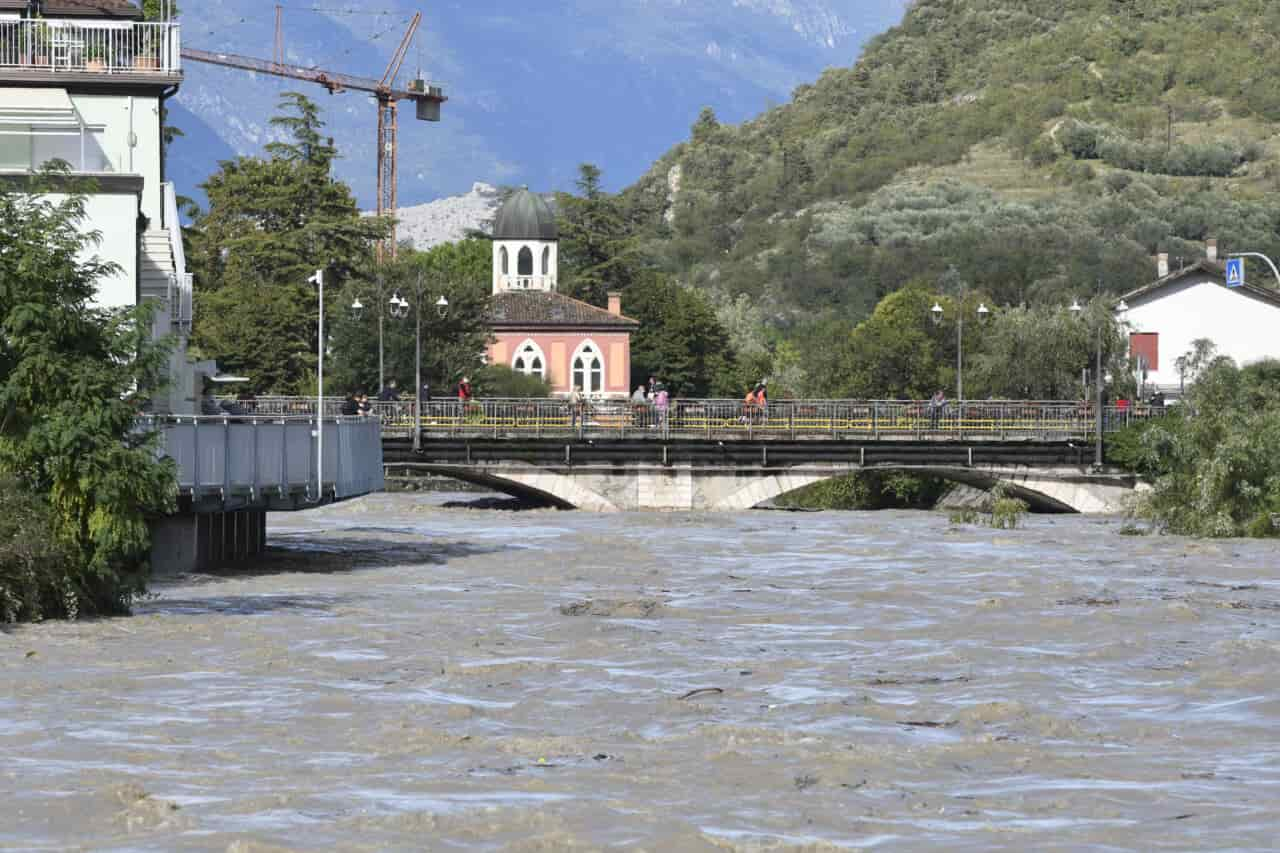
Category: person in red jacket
[464,390]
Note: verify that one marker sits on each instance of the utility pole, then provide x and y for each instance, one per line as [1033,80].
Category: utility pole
[1097,443]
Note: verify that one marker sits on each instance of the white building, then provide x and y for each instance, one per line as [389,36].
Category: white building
[84,81]
[1194,302]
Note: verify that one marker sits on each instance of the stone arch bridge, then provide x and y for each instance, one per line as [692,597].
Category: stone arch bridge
[615,474]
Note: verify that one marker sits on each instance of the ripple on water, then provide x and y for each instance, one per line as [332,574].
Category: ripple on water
[825,680]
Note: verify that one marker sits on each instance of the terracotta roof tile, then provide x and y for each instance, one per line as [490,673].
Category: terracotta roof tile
[520,308]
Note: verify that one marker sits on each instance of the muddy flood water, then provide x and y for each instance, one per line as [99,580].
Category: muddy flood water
[398,675]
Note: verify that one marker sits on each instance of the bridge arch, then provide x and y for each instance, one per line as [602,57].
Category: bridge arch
[1043,492]
[558,490]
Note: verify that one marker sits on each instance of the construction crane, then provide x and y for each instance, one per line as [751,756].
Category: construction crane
[426,98]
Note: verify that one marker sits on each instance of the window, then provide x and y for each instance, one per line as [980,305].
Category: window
[27,146]
[588,369]
[524,264]
[502,255]
[529,360]
[546,260]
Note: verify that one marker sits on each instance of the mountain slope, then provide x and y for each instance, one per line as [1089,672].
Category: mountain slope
[535,88]
[1039,145]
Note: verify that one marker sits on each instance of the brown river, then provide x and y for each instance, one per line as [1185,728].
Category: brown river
[399,675]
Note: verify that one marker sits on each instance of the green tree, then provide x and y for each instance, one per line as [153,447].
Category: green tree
[1042,353]
[680,341]
[598,252]
[451,345]
[72,381]
[271,223]
[1215,465]
[895,353]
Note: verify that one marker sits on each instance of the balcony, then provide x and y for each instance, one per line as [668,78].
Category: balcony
[39,48]
[527,282]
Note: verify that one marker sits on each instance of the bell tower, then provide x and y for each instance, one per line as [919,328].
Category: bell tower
[525,244]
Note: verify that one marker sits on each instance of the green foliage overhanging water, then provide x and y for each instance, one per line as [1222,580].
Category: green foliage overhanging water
[78,481]
[1214,465]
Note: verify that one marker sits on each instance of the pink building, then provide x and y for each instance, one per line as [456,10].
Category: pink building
[539,331]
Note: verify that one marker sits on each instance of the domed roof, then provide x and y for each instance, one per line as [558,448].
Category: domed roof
[525,216]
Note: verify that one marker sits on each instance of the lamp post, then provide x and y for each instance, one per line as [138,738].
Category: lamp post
[936,312]
[357,307]
[318,279]
[1078,311]
[399,310]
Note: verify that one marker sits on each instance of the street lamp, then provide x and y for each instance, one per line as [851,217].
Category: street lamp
[399,310]
[318,279]
[1078,311]
[357,310]
[936,313]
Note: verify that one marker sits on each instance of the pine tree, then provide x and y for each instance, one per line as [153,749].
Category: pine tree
[271,223]
[597,250]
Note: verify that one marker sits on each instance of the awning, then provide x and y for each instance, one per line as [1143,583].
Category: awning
[37,106]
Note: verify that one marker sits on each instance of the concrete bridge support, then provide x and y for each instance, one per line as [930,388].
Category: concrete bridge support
[194,542]
[717,489]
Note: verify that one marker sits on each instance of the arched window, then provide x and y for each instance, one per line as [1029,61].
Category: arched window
[502,253]
[529,360]
[588,368]
[546,260]
[524,263]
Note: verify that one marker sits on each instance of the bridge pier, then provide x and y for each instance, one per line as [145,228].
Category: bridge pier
[196,542]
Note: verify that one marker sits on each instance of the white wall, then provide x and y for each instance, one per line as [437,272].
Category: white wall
[1244,327]
[115,216]
[513,247]
[122,115]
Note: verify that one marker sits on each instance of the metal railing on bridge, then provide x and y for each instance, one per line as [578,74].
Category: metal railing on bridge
[999,420]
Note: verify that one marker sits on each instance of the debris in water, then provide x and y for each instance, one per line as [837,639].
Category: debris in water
[928,724]
[1090,601]
[702,691]
[918,682]
[641,608]
[805,781]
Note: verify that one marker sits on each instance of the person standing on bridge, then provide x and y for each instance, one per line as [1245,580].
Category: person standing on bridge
[575,407]
[388,393]
[661,404]
[936,406]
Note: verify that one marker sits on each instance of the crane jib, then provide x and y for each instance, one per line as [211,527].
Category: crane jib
[333,81]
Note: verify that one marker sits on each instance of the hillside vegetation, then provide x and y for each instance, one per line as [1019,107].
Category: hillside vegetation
[1037,145]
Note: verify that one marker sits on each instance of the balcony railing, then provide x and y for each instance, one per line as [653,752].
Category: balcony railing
[99,47]
[528,282]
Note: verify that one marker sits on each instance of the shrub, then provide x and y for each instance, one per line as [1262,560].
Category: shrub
[498,380]
[35,568]
[1006,510]
[1080,140]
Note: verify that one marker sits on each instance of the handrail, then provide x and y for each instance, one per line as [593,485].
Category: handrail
[999,420]
[53,45]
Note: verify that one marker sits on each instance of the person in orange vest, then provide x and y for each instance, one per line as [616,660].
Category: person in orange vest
[748,406]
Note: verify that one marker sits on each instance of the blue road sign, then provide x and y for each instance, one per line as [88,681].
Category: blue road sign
[1235,272]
